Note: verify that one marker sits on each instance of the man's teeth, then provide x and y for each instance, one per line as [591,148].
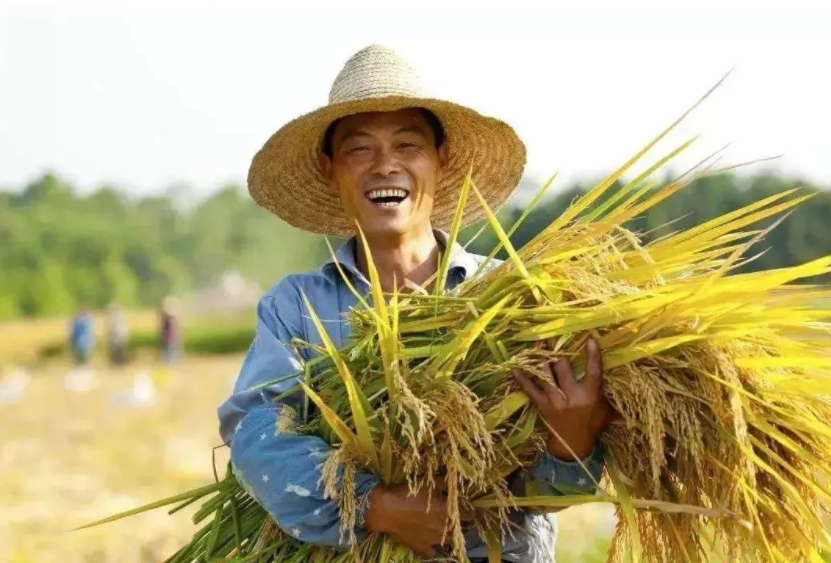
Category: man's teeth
[387,197]
[387,193]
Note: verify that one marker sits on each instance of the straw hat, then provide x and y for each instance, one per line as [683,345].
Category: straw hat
[285,175]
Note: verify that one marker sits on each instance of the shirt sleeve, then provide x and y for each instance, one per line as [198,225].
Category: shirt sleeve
[554,476]
[280,468]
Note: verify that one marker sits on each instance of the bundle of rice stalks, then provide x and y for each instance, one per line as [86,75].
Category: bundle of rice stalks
[721,380]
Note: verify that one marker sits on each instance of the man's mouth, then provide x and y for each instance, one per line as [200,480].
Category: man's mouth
[387,197]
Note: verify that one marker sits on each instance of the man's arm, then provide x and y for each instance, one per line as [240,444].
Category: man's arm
[574,413]
[277,466]
[554,476]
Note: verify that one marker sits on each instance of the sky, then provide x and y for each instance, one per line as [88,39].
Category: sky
[154,96]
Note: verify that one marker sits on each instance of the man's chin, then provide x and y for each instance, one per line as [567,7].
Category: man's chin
[383,228]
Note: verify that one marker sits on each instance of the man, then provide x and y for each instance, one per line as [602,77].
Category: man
[81,335]
[118,334]
[387,156]
[170,331]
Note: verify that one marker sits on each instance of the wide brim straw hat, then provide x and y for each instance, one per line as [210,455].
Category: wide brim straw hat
[286,178]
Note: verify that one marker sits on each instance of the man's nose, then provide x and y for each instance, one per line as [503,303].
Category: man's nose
[385,163]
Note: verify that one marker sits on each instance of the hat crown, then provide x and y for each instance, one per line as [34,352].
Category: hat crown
[376,72]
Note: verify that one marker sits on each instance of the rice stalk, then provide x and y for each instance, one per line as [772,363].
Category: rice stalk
[722,382]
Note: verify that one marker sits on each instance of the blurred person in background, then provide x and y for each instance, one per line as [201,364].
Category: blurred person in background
[170,333]
[81,335]
[118,333]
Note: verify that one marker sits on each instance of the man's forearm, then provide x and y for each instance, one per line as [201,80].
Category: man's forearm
[281,470]
[553,476]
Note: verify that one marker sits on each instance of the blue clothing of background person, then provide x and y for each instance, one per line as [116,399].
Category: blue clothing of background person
[81,335]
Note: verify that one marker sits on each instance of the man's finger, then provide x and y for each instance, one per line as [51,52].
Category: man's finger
[594,365]
[537,396]
[565,377]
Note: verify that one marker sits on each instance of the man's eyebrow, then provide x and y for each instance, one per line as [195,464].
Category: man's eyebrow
[352,133]
[412,128]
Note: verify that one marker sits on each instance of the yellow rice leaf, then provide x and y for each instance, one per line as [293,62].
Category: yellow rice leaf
[388,342]
[493,541]
[347,437]
[453,234]
[374,281]
[819,491]
[598,317]
[532,204]
[500,233]
[728,222]
[629,354]
[787,361]
[606,205]
[387,339]
[346,281]
[523,433]
[808,516]
[357,400]
[583,203]
[566,501]
[506,407]
[456,348]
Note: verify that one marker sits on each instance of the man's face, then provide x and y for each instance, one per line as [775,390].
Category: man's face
[385,166]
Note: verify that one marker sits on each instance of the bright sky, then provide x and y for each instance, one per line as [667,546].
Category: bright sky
[149,96]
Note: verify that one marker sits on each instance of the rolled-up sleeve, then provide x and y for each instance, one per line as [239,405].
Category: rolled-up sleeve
[278,466]
[554,476]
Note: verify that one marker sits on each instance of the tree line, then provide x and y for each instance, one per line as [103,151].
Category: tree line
[60,248]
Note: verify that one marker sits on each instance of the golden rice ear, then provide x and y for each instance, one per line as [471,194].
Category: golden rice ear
[628,508]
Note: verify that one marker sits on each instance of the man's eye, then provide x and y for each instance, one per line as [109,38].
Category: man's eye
[406,145]
[360,148]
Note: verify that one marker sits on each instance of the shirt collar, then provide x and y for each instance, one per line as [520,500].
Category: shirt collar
[460,259]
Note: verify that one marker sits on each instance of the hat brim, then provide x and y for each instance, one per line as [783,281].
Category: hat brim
[285,175]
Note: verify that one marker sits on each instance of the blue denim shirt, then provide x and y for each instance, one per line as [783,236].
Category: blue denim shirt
[281,468]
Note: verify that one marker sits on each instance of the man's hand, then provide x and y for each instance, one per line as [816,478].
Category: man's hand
[405,518]
[575,412]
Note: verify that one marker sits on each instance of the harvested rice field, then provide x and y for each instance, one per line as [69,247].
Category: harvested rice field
[78,446]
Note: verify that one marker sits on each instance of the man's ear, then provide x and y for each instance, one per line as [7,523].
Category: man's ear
[326,169]
[443,157]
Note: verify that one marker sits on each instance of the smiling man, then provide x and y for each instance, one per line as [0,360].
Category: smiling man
[387,156]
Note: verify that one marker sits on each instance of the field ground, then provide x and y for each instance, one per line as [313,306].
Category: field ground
[70,457]
[22,340]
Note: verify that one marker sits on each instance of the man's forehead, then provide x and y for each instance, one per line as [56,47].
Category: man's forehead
[410,117]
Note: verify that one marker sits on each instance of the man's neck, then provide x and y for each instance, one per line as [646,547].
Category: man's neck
[413,257]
